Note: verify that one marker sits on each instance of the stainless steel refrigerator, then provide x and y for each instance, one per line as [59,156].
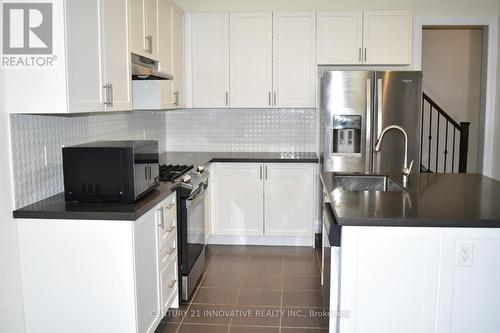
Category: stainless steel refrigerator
[356,106]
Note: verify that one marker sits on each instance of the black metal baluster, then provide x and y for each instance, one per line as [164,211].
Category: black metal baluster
[422,132]
[453,154]
[437,143]
[430,138]
[446,147]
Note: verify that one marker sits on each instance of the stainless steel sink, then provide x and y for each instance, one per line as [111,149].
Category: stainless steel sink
[368,183]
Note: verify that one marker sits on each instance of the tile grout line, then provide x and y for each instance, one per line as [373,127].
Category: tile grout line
[194,295]
[282,286]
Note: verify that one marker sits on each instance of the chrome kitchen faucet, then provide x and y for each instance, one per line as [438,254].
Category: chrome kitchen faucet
[406,169]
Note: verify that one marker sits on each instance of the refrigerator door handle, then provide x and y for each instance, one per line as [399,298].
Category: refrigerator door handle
[380,110]
[368,127]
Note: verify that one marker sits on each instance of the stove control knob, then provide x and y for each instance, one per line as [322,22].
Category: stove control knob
[201,168]
[186,178]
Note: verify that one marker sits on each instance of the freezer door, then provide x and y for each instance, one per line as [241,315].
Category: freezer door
[346,103]
[398,97]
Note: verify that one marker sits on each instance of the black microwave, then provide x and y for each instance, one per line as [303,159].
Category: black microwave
[110,171]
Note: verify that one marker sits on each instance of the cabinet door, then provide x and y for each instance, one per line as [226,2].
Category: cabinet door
[137,27]
[289,199]
[210,60]
[469,293]
[117,54]
[84,66]
[178,55]
[340,37]
[147,272]
[389,279]
[250,59]
[386,37]
[151,28]
[165,50]
[238,199]
[294,65]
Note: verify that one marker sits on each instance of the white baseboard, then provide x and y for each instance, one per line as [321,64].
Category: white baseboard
[262,240]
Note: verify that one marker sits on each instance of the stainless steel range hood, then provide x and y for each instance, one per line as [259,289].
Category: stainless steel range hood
[147,69]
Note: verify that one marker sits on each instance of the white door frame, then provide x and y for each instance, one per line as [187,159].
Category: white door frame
[491,71]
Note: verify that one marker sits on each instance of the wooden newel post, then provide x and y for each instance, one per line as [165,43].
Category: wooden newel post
[464,147]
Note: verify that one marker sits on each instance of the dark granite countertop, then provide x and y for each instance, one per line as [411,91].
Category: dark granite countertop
[431,200]
[55,207]
[203,158]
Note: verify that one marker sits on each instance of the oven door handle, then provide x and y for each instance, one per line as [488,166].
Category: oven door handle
[199,191]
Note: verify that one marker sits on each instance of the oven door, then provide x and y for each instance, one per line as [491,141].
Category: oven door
[195,226]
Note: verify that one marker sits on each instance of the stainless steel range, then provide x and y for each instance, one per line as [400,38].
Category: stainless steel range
[191,190]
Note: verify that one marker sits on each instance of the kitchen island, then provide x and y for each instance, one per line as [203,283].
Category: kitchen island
[423,259]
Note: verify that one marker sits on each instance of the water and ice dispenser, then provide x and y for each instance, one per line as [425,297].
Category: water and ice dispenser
[346,134]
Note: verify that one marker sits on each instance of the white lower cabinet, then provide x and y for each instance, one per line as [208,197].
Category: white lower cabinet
[254,199]
[404,279]
[146,272]
[106,276]
[238,202]
[288,197]
[389,279]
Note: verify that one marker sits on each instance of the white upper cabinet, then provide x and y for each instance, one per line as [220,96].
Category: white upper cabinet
[210,49]
[340,37]
[116,60]
[84,42]
[289,204]
[294,65]
[250,59]
[165,49]
[177,17]
[386,37]
[369,37]
[144,28]
[89,68]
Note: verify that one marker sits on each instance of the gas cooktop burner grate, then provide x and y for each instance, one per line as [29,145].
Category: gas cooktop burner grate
[172,172]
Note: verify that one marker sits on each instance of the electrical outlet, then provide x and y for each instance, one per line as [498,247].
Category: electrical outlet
[464,254]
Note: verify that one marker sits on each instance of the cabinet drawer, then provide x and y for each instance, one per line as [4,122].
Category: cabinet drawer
[169,283]
[168,249]
[168,216]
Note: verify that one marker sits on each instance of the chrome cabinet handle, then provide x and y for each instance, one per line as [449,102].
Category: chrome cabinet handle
[111,97]
[260,170]
[265,172]
[269,98]
[365,53]
[176,101]
[107,88]
[172,249]
[274,98]
[146,173]
[162,218]
[172,284]
[105,94]
[149,40]
[359,55]
[227,98]
[170,205]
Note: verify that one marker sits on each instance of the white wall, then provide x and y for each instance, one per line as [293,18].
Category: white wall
[451,65]
[11,307]
[466,8]
[496,158]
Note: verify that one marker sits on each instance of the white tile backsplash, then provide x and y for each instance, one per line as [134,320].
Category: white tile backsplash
[37,139]
[242,130]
